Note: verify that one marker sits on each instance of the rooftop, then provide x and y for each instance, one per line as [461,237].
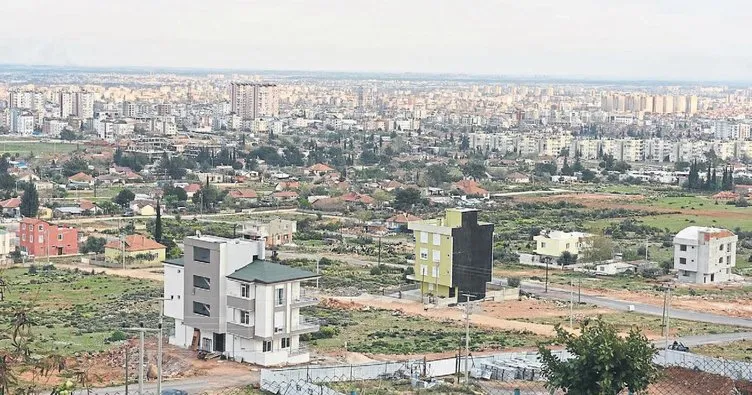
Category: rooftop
[269,272]
[693,232]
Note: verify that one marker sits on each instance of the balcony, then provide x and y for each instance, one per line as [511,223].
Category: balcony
[304,301]
[304,326]
[302,349]
[241,303]
[240,330]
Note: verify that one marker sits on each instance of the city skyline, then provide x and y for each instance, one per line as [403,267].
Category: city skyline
[664,40]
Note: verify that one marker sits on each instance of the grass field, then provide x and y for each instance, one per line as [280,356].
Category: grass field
[76,311]
[647,323]
[386,332]
[738,351]
[24,148]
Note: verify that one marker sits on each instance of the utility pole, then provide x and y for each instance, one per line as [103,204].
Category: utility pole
[571,304]
[379,250]
[317,272]
[141,363]
[547,262]
[668,313]
[159,347]
[127,356]
[467,338]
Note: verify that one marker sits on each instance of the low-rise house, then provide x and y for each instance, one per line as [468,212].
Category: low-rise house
[400,221]
[7,242]
[275,233]
[471,188]
[80,181]
[244,194]
[287,186]
[704,255]
[285,196]
[39,238]
[226,299]
[135,250]
[358,198]
[319,170]
[144,208]
[554,243]
[191,189]
[11,207]
[518,178]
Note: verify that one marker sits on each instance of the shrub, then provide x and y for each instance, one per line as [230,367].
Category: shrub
[32,270]
[513,282]
[118,336]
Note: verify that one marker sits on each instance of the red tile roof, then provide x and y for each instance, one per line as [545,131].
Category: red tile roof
[135,243]
[11,203]
[243,193]
[81,177]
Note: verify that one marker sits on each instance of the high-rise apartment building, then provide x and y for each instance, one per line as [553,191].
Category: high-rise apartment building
[26,99]
[77,104]
[254,100]
[453,255]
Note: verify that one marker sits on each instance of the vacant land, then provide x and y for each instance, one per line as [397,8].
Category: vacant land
[738,351]
[649,325]
[375,331]
[74,311]
[24,148]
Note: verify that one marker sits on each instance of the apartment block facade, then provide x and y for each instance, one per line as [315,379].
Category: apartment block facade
[704,255]
[254,100]
[453,255]
[225,298]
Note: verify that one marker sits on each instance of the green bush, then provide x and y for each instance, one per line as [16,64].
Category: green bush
[513,282]
[118,336]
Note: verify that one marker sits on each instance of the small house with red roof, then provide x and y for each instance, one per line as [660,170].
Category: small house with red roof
[135,250]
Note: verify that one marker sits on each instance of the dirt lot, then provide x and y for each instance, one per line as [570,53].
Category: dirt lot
[154,273]
[486,316]
[108,368]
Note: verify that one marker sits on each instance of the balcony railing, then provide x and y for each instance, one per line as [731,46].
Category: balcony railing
[302,349]
[305,326]
[304,301]
[241,303]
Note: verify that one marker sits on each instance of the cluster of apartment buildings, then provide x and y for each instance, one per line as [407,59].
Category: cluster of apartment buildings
[656,104]
[541,144]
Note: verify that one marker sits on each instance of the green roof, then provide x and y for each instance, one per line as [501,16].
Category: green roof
[269,272]
[176,261]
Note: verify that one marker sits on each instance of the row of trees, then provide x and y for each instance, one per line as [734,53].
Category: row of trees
[711,181]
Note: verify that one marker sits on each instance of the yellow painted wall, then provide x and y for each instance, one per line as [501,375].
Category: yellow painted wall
[147,211]
[554,247]
[441,284]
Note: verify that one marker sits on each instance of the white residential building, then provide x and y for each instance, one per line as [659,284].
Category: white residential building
[704,255]
[254,100]
[21,122]
[225,298]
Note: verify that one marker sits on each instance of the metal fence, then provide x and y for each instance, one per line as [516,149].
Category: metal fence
[508,373]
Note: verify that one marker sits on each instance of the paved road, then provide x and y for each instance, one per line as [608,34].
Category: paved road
[642,308]
[692,341]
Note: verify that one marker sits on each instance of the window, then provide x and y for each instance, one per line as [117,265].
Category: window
[201,309]
[434,271]
[683,261]
[201,254]
[436,255]
[280,299]
[285,342]
[682,247]
[245,317]
[424,237]
[543,244]
[267,345]
[567,246]
[720,247]
[424,253]
[41,227]
[60,237]
[728,247]
[436,239]
[245,290]
[41,239]
[728,260]
[720,261]
[423,270]
[201,282]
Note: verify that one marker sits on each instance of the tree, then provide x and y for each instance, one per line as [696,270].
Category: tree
[94,244]
[588,175]
[108,207]
[602,363]
[68,135]
[124,197]
[74,166]
[474,170]
[464,143]
[158,224]
[207,196]
[408,198]
[30,201]
[567,258]
[565,169]
[598,249]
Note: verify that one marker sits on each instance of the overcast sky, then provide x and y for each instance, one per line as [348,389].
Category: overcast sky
[660,39]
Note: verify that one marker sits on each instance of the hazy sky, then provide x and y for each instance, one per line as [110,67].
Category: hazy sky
[674,39]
